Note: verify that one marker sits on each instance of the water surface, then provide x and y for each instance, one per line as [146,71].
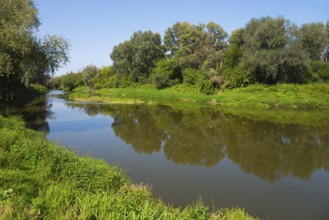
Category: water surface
[275,169]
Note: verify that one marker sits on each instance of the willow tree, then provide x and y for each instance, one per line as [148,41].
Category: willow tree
[196,46]
[313,38]
[272,51]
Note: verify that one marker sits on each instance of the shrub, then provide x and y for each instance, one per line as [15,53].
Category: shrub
[166,73]
[211,86]
[71,81]
[237,77]
[161,80]
[193,76]
[320,71]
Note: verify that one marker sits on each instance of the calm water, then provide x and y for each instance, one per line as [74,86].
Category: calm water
[273,170]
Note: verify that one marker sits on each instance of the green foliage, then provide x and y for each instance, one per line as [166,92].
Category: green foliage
[166,73]
[135,58]
[144,93]
[320,71]
[237,77]
[313,38]
[280,95]
[54,83]
[267,50]
[193,76]
[41,89]
[161,80]
[25,59]
[211,86]
[326,47]
[233,56]
[71,81]
[106,78]
[41,180]
[88,75]
[55,50]
[234,52]
[272,51]
[196,46]
[256,95]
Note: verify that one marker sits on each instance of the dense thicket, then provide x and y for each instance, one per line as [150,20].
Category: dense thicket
[267,50]
[25,59]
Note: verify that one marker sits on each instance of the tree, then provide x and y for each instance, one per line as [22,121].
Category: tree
[25,59]
[88,74]
[326,48]
[71,81]
[234,52]
[166,73]
[313,38]
[136,58]
[55,50]
[272,51]
[196,46]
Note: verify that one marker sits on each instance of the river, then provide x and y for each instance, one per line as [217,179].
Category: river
[275,166]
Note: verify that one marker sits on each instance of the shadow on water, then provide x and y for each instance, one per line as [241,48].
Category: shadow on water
[34,112]
[204,136]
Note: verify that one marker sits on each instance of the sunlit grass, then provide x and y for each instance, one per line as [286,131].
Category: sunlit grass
[281,95]
[259,96]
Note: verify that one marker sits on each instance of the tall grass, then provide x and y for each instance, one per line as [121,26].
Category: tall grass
[41,180]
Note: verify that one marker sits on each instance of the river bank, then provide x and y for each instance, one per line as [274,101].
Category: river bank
[41,180]
[260,96]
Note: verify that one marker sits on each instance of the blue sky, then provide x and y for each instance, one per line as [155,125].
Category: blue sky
[93,28]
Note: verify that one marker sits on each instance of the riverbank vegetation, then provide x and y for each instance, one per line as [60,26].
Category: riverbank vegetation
[41,180]
[269,62]
[262,96]
[26,60]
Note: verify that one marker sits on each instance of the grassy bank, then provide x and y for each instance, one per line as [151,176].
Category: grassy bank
[263,96]
[41,180]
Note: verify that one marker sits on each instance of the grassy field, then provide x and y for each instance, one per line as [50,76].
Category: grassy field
[41,180]
[261,96]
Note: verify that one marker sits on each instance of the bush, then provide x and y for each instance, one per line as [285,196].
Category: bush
[237,77]
[320,71]
[211,86]
[193,76]
[166,73]
[161,80]
[71,81]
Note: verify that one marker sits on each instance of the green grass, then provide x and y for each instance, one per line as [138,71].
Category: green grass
[41,180]
[281,95]
[261,96]
[145,94]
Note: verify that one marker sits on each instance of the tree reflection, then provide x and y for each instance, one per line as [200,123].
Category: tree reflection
[204,136]
[34,113]
[272,150]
